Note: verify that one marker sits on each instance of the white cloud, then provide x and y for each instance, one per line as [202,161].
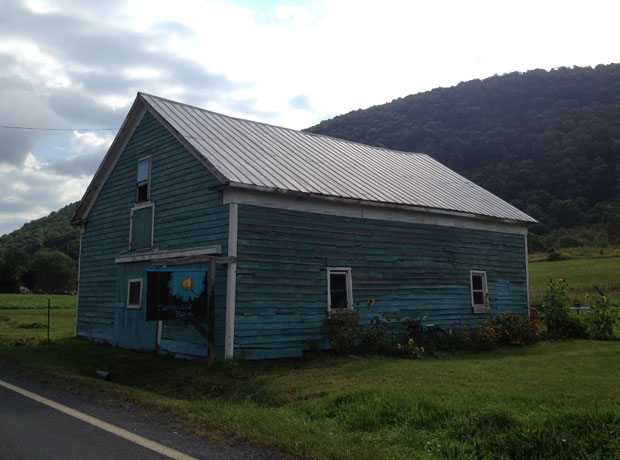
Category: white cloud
[33,191]
[40,6]
[89,142]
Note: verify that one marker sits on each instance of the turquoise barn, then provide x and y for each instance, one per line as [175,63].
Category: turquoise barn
[207,235]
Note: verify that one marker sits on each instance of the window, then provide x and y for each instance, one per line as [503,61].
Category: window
[143,186]
[479,292]
[339,289]
[134,293]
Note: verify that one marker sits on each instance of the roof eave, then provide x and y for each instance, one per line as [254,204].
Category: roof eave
[404,207]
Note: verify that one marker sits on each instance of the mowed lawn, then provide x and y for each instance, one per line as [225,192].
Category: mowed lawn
[583,277]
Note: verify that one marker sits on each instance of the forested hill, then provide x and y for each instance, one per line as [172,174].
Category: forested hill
[42,254]
[547,141]
[51,232]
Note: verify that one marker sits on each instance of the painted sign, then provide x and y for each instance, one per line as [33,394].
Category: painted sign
[176,293]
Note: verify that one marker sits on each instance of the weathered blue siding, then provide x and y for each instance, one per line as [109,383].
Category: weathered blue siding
[411,269]
[187,214]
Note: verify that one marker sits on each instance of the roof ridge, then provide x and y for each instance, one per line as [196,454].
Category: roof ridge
[298,131]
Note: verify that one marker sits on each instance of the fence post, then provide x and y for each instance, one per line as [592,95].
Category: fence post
[48,319]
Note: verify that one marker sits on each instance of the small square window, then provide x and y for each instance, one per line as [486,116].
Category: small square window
[143,180]
[339,286]
[134,293]
[479,292]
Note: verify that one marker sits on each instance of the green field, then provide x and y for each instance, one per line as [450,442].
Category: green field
[14,301]
[20,326]
[23,317]
[582,275]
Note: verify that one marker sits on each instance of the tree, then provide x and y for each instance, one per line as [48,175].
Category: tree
[8,278]
[54,270]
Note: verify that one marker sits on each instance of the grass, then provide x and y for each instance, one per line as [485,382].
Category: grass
[581,252]
[30,324]
[555,400]
[22,301]
[582,275]
[23,317]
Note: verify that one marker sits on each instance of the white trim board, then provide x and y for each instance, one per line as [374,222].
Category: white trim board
[172,254]
[231,282]
[366,211]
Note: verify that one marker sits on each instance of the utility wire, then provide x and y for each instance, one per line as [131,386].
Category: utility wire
[58,129]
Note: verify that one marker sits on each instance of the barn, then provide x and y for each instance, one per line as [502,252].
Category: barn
[208,235]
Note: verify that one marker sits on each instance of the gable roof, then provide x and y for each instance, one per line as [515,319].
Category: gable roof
[249,154]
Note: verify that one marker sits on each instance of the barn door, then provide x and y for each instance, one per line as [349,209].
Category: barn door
[131,330]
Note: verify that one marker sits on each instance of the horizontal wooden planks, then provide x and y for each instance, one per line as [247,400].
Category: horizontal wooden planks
[411,270]
[187,214]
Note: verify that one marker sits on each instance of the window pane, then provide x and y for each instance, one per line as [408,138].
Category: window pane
[478,298]
[134,293]
[338,290]
[338,281]
[142,193]
[476,282]
[143,170]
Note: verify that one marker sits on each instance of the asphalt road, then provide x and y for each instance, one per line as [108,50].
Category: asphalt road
[32,430]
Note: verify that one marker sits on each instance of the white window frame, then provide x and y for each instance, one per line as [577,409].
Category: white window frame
[148,184]
[134,280]
[347,272]
[477,307]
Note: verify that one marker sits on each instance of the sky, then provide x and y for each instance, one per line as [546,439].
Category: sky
[71,69]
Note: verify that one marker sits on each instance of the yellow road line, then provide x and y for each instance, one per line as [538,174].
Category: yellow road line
[147,443]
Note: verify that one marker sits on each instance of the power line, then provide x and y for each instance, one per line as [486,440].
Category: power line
[29,128]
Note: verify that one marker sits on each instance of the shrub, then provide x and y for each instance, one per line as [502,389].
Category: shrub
[554,256]
[510,329]
[407,349]
[341,330]
[556,315]
[602,318]
[381,334]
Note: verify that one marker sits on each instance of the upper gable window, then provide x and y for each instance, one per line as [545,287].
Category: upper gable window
[143,182]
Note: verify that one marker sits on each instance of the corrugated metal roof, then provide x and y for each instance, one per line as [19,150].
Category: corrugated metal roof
[271,157]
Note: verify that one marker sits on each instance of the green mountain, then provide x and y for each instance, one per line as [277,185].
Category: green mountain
[42,254]
[546,141]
